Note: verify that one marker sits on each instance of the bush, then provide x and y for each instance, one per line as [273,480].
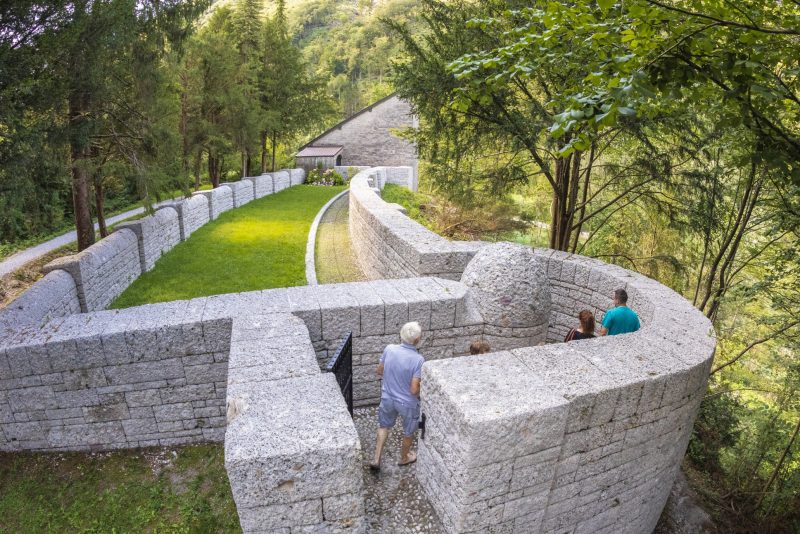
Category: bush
[327,177]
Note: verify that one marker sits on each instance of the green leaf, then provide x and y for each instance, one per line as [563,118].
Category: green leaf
[605,5]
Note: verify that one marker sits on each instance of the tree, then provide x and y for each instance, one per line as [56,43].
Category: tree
[295,102]
[456,80]
[86,48]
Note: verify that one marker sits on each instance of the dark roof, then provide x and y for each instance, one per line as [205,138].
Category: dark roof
[319,151]
[351,117]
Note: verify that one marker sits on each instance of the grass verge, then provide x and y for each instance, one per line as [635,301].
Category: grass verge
[177,489]
[258,246]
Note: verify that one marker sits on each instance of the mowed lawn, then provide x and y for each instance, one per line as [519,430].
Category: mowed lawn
[260,245]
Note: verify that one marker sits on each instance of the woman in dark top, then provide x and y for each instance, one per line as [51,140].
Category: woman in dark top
[585,330]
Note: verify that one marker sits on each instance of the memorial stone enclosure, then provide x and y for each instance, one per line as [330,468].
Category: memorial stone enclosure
[536,436]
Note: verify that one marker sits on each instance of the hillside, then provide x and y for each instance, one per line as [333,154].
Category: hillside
[346,42]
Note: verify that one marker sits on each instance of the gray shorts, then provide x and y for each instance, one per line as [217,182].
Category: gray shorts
[388,411]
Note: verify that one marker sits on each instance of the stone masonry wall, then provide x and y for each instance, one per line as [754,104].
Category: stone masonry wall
[192,214]
[262,185]
[104,270]
[153,375]
[292,456]
[242,191]
[220,200]
[297,176]
[99,365]
[53,296]
[344,170]
[157,234]
[369,139]
[578,437]
[280,180]
[390,245]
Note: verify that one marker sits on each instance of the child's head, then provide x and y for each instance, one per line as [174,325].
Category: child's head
[479,346]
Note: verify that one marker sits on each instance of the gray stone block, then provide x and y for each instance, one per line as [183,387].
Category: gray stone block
[298,444]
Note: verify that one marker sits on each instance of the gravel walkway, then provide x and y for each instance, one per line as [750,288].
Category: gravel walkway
[335,259]
[394,499]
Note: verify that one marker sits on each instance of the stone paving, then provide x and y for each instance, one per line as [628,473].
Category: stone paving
[394,499]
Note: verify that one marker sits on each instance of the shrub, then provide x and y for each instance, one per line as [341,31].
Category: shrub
[327,177]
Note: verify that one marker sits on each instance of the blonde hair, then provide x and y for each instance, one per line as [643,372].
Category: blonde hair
[411,333]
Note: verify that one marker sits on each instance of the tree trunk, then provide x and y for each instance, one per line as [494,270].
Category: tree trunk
[559,221]
[274,144]
[80,156]
[99,204]
[184,127]
[197,161]
[213,170]
[263,152]
[779,465]
[584,195]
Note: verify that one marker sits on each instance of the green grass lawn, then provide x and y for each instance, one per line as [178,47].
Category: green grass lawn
[180,489]
[258,246]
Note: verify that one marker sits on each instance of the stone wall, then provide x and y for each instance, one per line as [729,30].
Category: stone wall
[390,245]
[369,137]
[345,170]
[104,270]
[578,437]
[174,353]
[53,296]
[242,191]
[220,200]
[157,234]
[280,180]
[301,421]
[116,379]
[192,214]
[297,176]
[262,185]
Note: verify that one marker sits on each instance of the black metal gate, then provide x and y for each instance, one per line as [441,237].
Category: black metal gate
[341,365]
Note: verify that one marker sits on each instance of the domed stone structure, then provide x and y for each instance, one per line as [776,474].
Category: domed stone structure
[508,286]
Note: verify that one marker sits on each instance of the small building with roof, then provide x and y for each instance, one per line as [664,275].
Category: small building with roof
[324,156]
[368,138]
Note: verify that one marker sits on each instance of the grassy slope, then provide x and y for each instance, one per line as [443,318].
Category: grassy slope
[258,246]
[182,489]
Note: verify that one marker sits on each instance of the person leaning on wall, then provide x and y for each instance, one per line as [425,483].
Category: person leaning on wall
[586,328]
[620,319]
[400,368]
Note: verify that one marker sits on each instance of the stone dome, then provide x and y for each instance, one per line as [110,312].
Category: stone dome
[508,286]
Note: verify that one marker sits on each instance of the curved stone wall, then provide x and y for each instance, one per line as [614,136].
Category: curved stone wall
[390,245]
[579,437]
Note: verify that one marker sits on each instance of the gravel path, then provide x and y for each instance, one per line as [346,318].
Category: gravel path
[394,499]
[335,260]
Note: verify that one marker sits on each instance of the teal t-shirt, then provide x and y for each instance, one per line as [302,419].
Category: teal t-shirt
[620,320]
